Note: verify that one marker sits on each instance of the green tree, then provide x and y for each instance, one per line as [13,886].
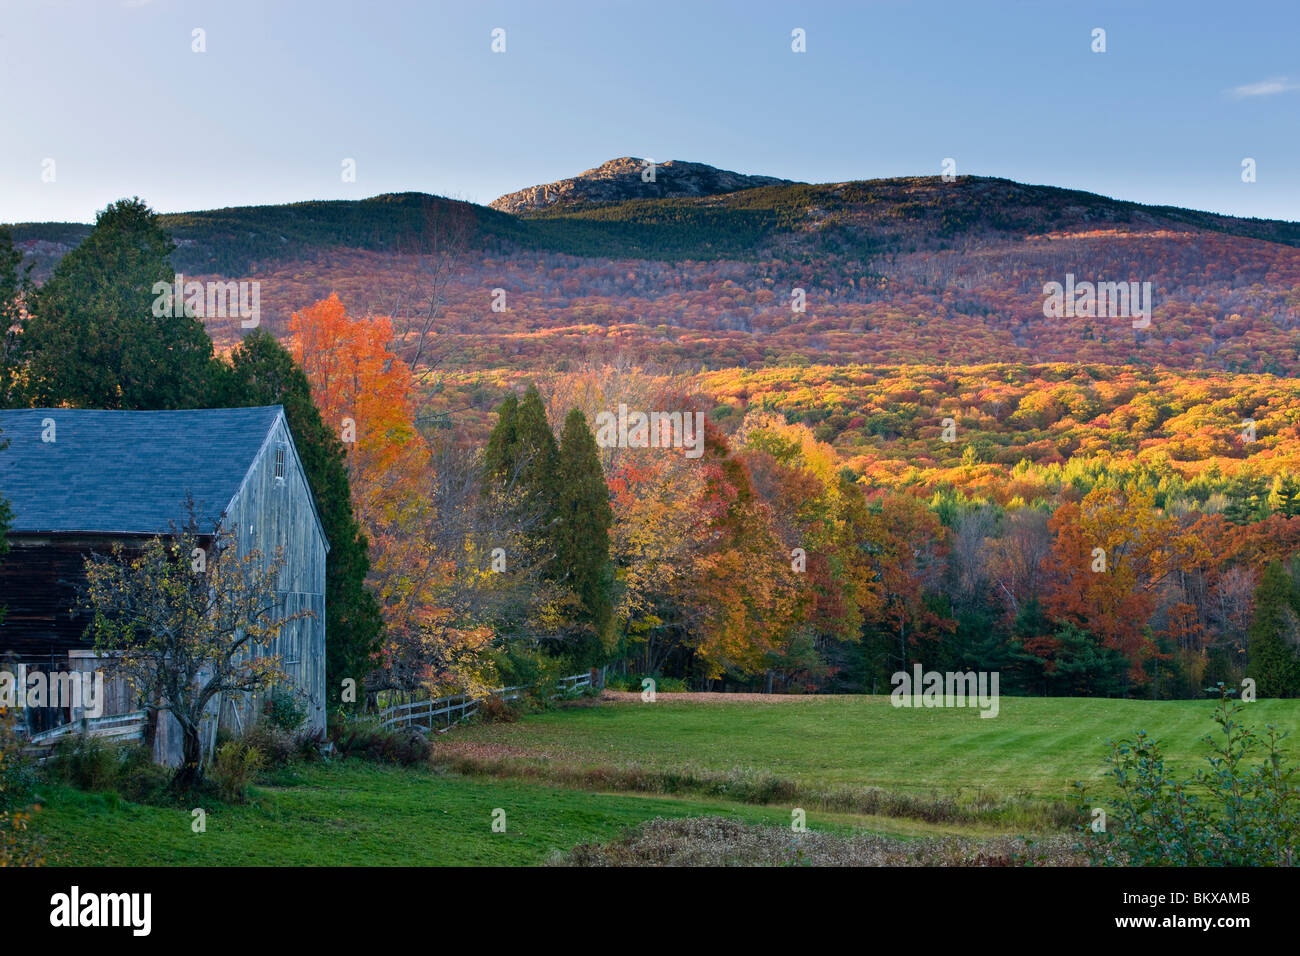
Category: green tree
[13,286]
[1284,495]
[262,372]
[92,339]
[1271,640]
[499,457]
[562,503]
[580,532]
[522,451]
[5,517]
[1247,500]
[520,461]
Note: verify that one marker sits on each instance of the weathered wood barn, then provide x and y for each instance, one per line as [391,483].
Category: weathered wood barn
[79,480]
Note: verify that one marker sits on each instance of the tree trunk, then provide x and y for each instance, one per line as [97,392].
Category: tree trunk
[151,729]
[191,768]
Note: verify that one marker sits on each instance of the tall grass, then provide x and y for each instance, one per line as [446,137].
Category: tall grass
[762,787]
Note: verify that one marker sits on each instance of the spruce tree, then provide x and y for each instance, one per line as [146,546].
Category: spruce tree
[536,452]
[1271,653]
[582,519]
[521,455]
[92,339]
[498,459]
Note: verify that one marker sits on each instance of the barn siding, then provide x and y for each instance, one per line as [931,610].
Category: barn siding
[268,514]
[38,589]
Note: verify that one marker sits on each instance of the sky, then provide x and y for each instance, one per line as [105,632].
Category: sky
[109,98]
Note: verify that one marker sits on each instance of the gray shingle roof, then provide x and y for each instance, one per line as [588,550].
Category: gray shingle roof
[126,472]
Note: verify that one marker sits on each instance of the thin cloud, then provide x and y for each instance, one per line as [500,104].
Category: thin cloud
[1264,88]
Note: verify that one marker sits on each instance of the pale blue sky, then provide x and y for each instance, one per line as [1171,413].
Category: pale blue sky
[111,91]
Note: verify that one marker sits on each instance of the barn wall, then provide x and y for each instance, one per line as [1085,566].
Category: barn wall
[270,513]
[38,589]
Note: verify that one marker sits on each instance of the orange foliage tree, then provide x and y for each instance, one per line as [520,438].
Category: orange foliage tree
[365,391]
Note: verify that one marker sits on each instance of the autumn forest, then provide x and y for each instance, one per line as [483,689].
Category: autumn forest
[903,459]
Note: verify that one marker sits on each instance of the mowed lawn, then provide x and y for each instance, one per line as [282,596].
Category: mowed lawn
[356,814]
[1037,746]
[351,813]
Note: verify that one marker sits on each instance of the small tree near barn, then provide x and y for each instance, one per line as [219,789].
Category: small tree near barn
[185,619]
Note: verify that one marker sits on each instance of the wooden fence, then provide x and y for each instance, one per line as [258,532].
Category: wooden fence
[426,714]
[117,727]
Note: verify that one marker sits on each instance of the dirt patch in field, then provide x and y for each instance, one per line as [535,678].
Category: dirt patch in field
[713,697]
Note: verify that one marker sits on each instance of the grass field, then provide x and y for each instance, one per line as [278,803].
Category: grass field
[1034,746]
[354,813]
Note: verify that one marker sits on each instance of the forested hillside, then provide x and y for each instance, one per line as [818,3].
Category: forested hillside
[892,271]
[904,458]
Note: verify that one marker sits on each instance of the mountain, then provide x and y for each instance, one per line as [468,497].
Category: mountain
[702,214]
[894,271]
[628,178]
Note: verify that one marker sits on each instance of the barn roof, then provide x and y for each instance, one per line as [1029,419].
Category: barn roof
[126,472]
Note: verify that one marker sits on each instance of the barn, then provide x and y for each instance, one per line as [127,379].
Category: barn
[80,480]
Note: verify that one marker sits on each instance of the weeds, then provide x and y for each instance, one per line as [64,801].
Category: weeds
[760,787]
[717,841]
[234,768]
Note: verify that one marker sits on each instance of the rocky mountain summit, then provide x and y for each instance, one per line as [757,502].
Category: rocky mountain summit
[626,178]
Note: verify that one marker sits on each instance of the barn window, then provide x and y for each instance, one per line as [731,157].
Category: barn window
[279,463]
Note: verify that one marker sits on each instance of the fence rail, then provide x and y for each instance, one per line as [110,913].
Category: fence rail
[425,713]
[116,727]
[575,681]
[421,713]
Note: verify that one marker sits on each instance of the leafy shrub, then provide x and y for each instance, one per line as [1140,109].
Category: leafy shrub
[518,666]
[623,682]
[311,744]
[285,711]
[137,777]
[276,744]
[18,847]
[93,763]
[494,710]
[86,762]
[18,773]
[234,767]
[1234,814]
[632,682]
[364,738]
